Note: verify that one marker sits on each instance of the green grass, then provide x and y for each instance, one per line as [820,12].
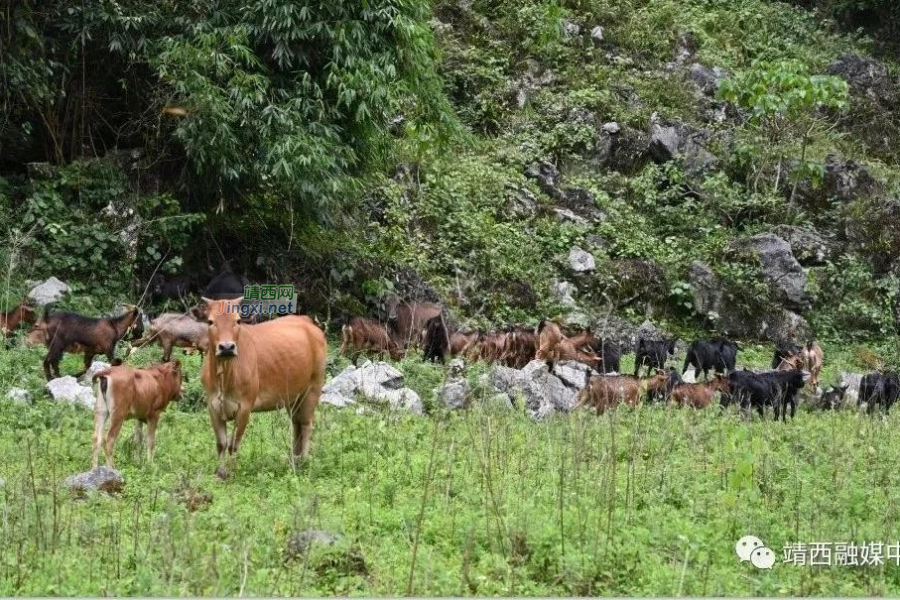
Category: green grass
[642,502]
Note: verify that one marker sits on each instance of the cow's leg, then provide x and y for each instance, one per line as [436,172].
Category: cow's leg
[303,417]
[220,428]
[115,425]
[240,425]
[51,361]
[152,422]
[100,414]
[139,435]
[167,350]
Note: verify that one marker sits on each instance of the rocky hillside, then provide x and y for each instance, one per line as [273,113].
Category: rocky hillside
[712,166]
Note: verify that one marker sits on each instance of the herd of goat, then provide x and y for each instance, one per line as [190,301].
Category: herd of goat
[405,326]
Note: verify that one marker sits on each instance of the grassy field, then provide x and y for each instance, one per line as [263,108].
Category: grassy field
[639,502]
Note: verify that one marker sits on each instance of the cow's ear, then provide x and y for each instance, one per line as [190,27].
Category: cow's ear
[116,362]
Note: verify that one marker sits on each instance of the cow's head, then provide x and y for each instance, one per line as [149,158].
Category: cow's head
[670,346]
[391,308]
[224,319]
[172,371]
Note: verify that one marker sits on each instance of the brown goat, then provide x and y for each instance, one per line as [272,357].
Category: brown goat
[553,346]
[460,343]
[70,332]
[126,393]
[607,391]
[518,347]
[10,320]
[176,329]
[490,347]
[365,336]
[406,320]
[699,395]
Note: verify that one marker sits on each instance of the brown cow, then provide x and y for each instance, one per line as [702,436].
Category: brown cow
[126,393]
[255,368]
[489,347]
[406,320]
[699,395]
[365,336]
[607,391]
[10,320]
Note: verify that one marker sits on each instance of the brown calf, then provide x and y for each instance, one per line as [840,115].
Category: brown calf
[699,395]
[518,347]
[256,368]
[365,336]
[10,320]
[126,393]
[607,391]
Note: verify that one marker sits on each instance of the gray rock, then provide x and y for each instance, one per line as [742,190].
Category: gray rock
[543,392]
[96,367]
[680,140]
[67,389]
[520,202]
[456,367]
[455,393]
[500,402]
[616,330]
[572,373]
[532,80]
[649,331]
[581,261]
[48,291]
[597,34]
[570,200]
[664,142]
[562,291]
[686,47]
[19,396]
[706,289]
[378,383]
[807,245]
[611,128]
[708,80]
[779,266]
[564,215]
[102,478]
[571,29]
[299,543]
[851,381]
[625,151]
[866,76]
[843,181]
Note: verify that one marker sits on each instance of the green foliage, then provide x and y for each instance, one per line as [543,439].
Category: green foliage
[783,90]
[66,226]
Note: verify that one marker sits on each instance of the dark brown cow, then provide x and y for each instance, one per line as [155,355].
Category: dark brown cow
[406,320]
[518,347]
[255,368]
[126,393]
[364,336]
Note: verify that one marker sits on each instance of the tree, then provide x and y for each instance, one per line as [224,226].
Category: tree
[785,102]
